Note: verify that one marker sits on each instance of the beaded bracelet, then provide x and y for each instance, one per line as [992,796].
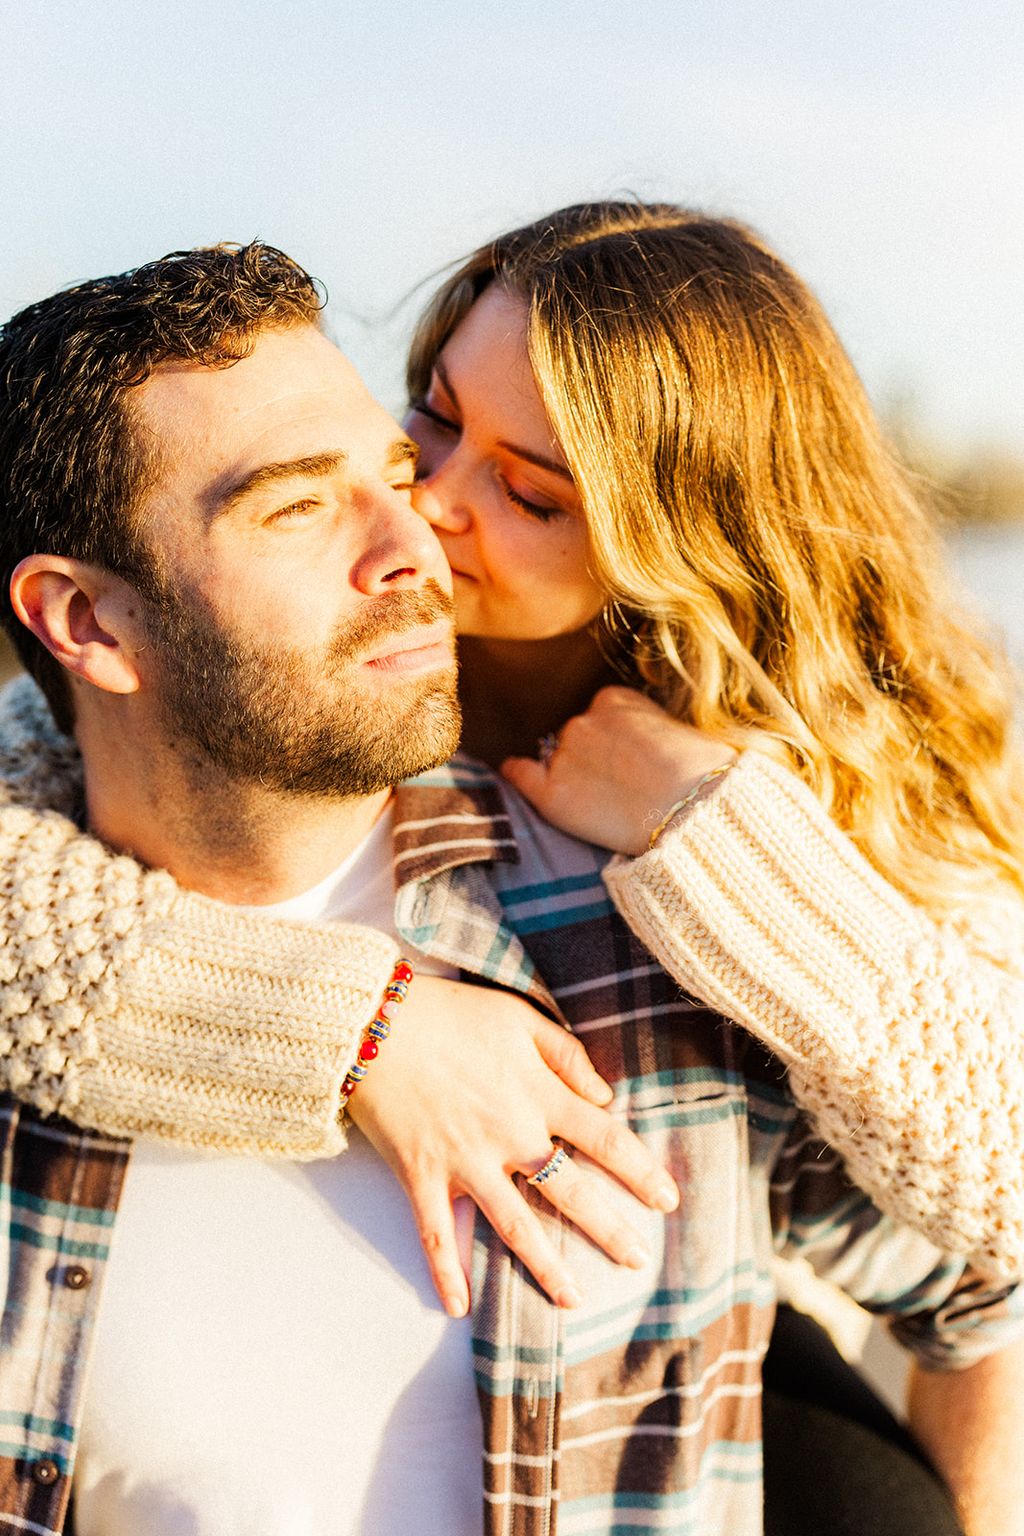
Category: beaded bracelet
[378,1029]
[688,799]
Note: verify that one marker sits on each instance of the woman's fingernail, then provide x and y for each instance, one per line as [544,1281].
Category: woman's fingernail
[636,1257]
[569,1296]
[455,1306]
[666,1195]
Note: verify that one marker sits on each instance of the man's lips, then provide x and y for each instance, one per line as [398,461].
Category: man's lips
[426,646]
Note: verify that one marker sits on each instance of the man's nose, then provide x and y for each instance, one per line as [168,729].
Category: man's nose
[400,549]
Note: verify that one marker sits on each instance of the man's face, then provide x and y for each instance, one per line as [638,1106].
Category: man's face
[301,636]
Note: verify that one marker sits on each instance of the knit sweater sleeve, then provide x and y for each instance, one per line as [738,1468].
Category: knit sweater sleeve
[131,1006]
[904,1038]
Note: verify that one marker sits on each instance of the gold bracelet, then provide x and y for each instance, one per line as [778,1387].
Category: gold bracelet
[680,805]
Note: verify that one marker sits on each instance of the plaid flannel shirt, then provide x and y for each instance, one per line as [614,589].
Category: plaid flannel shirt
[640,1412]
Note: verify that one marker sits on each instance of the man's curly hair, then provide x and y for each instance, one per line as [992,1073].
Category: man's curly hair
[73,464]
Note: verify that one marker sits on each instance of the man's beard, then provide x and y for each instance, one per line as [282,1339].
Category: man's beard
[295,722]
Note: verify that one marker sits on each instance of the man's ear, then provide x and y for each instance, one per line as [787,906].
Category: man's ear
[88,618]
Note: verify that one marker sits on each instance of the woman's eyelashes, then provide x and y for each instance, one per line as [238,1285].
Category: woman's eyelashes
[443,423]
[535,509]
[439,422]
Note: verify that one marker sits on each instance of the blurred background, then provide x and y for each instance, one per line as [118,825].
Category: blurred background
[879,147]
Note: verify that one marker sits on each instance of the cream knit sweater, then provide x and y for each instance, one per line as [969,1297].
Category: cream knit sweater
[903,1038]
[132,1006]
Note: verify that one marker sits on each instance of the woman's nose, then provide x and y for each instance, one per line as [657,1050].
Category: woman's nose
[432,501]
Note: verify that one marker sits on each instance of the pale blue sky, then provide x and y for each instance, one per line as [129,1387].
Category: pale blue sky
[879,146]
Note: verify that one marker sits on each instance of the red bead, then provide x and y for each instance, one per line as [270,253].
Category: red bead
[403,971]
[368,1050]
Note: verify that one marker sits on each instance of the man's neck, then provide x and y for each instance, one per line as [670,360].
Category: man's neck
[237,842]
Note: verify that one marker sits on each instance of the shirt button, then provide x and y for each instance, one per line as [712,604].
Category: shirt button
[76,1277]
[45,1471]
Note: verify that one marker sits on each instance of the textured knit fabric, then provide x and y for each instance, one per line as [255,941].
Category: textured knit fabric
[904,1038]
[640,1411]
[132,1006]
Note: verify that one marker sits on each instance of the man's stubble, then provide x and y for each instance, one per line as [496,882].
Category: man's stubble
[295,722]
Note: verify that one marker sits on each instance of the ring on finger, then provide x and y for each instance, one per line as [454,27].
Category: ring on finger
[547,746]
[558,1159]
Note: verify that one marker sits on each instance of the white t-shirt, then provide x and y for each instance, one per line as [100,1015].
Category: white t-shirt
[270,1357]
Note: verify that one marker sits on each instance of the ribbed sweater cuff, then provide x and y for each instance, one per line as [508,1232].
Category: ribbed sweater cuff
[759,905]
[234,1032]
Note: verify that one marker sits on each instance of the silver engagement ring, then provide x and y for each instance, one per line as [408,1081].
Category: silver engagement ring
[559,1157]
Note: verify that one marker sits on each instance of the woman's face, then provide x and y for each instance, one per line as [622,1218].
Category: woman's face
[504,503]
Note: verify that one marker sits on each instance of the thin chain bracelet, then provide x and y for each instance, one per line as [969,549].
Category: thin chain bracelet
[688,799]
[378,1029]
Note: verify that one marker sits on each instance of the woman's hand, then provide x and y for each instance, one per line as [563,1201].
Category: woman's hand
[616,770]
[470,1088]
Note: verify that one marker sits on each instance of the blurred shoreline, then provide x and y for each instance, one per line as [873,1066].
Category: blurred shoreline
[981,489]
[977,484]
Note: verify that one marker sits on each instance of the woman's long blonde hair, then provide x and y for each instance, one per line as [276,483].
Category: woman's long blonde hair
[785,585]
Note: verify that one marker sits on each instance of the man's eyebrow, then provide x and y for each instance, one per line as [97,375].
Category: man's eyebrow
[541,460]
[402,451]
[314,465]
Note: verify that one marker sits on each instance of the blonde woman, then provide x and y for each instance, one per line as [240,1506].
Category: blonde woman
[650,462]
[718,484]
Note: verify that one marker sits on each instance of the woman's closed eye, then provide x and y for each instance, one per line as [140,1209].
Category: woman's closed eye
[441,422]
[544,512]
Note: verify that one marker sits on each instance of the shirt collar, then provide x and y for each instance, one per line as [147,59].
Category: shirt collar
[448,817]
[449,825]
